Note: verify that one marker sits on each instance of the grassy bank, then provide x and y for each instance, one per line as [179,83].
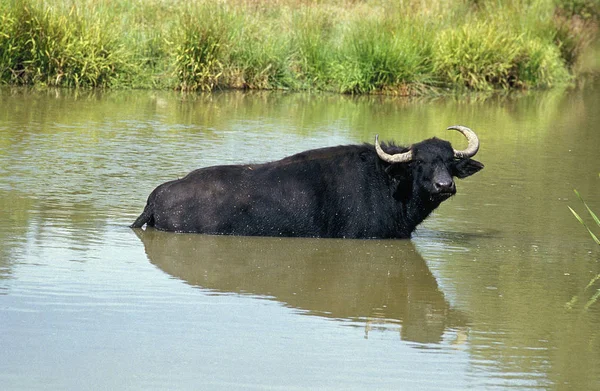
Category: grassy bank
[396,47]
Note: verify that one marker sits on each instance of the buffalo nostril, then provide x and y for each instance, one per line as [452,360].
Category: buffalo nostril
[444,186]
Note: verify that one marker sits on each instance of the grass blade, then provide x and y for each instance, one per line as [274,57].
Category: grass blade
[583,222]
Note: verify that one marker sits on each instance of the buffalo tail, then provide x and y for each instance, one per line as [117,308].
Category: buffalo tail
[144,218]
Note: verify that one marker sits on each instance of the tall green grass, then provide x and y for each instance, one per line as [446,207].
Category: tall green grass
[40,46]
[596,296]
[388,55]
[485,55]
[592,214]
[408,47]
[199,48]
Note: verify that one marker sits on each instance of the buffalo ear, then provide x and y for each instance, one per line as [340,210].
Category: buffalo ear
[466,167]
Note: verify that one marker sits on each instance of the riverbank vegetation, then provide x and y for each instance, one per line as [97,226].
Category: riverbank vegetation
[348,46]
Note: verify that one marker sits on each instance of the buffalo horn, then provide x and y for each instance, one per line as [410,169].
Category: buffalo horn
[396,158]
[473,146]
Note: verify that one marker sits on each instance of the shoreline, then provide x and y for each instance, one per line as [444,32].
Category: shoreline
[379,47]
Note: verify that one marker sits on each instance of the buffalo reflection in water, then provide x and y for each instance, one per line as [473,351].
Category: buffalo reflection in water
[376,282]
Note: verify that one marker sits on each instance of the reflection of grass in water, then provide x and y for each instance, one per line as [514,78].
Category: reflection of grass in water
[596,296]
[592,300]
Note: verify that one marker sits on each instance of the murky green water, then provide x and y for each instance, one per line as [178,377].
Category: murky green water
[476,300]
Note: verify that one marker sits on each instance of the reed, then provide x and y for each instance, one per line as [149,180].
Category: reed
[409,47]
[41,46]
[384,55]
[593,216]
[260,54]
[596,295]
[199,48]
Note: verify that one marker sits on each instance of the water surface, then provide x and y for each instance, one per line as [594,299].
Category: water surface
[489,294]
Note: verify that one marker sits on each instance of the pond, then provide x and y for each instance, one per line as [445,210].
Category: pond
[490,293]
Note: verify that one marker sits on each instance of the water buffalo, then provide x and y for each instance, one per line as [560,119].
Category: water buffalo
[350,191]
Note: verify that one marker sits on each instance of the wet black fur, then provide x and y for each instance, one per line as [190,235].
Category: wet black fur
[345,191]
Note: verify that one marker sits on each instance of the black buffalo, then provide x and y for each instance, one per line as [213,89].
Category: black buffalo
[351,191]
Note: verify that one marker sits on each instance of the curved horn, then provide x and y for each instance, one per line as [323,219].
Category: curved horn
[473,146]
[396,158]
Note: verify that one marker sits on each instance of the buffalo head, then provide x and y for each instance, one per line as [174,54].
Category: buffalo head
[429,166]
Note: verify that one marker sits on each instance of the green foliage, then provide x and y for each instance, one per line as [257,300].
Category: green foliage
[260,57]
[485,56]
[592,214]
[541,65]
[585,9]
[575,27]
[379,56]
[594,217]
[342,45]
[313,37]
[480,56]
[199,49]
[42,46]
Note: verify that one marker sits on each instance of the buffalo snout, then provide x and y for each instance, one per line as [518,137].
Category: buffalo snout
[445,185]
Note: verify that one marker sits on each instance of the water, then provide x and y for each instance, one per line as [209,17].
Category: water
[489,294]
